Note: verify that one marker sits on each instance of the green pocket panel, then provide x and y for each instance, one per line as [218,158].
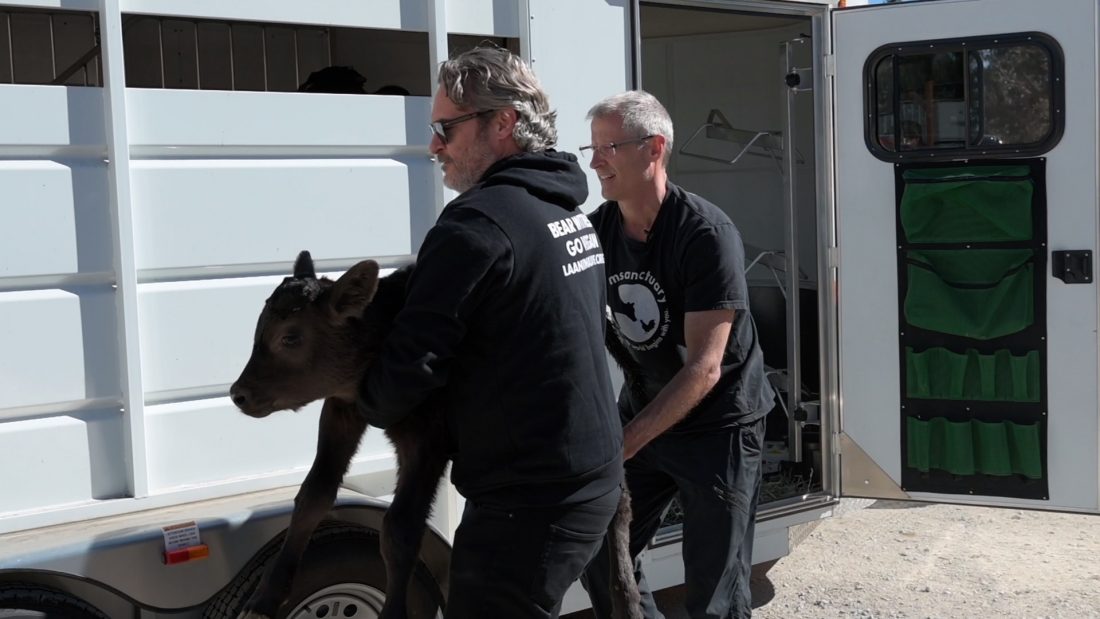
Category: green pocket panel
[938,373]
[980,294]
[974,447]
[967,205]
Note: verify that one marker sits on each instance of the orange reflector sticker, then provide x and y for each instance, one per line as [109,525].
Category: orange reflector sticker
[182,543]
[186,554]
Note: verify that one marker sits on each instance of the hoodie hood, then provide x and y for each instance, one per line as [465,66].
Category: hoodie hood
[549,175]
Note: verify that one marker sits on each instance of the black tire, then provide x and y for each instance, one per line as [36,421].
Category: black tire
[27,601]
[341,559]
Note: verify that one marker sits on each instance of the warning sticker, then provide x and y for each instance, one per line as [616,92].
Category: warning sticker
[180,536]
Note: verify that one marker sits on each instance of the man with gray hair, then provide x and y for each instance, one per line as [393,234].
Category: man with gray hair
[678,302]
[503,327]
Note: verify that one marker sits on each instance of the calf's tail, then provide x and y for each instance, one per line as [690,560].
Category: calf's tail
[626,602]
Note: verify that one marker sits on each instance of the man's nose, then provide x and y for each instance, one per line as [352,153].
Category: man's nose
[436,145]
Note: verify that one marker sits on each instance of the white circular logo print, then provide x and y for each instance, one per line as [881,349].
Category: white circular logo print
[636,312]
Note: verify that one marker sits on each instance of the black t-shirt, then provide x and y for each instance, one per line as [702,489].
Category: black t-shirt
[693,261]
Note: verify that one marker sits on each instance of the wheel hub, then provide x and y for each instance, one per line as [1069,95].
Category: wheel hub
[343,601]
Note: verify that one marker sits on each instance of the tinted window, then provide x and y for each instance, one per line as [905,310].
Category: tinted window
[984,96]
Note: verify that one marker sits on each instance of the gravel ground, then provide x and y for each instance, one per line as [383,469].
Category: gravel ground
[902,560]
[896,559]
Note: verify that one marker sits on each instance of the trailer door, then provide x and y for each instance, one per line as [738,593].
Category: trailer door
[966,212]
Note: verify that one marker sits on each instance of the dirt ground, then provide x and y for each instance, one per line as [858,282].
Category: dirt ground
[902,560]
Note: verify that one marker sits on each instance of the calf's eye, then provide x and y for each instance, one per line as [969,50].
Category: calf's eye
[290,341]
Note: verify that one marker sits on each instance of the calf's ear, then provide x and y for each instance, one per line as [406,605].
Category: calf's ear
[303,266]
[355,289]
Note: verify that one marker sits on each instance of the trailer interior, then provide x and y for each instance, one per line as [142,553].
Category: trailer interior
[745,140]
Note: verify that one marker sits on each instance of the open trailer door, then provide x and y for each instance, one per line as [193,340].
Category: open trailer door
[966,205]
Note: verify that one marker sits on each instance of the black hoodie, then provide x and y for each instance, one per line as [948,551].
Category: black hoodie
[504,323]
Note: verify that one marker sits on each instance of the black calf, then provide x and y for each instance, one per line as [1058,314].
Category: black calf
[315,338]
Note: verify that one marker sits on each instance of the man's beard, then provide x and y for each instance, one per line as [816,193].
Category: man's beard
[462,175]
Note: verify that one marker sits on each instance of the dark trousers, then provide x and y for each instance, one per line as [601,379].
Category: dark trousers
[518,563]
[718,478]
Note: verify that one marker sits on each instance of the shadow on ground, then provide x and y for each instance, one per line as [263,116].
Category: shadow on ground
[881,504]
[671,600]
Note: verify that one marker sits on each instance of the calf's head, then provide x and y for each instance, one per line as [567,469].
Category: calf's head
[308,342]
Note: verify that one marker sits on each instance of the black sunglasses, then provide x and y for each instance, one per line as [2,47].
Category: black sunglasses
[439,128]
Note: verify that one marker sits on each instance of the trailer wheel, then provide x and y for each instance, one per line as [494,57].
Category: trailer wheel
[27,601]
[341,575]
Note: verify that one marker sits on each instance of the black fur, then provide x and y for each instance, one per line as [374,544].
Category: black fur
[315,339]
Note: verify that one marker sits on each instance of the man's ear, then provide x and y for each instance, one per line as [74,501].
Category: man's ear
[355,289]
[504,122]
[657,146]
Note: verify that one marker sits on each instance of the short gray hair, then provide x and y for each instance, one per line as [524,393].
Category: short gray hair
[493,78]
[641,113]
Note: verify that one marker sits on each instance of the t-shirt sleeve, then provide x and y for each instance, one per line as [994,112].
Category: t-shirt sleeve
[714,270]
[598,217]
[460,262]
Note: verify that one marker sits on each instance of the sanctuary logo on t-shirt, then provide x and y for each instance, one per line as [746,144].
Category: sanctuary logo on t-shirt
[639,308]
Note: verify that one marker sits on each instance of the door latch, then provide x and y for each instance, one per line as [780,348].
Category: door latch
[1072,266]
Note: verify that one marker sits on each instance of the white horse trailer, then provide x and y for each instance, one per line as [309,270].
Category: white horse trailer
[921,177]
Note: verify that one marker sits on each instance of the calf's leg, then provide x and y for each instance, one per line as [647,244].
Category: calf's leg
[421,458]
[340,430]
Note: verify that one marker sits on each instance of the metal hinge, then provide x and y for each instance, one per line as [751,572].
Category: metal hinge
[830,65]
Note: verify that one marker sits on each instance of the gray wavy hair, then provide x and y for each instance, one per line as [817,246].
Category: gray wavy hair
[493,78]
[641,113]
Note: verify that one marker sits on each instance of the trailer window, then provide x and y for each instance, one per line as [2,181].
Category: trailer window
[168,52]
[49,48]
[994,96]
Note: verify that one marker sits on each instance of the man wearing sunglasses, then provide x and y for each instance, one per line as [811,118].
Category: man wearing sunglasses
[504,327]
[679,304]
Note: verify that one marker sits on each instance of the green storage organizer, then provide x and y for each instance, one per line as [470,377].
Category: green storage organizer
[971,272]
[967,205]
[973,447]
[938,373]
[980,294]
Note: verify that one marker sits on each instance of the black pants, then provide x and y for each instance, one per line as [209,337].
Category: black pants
[718,478]
[518,563]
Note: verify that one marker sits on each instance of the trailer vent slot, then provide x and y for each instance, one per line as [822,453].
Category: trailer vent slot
[59,48]
[213,54]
